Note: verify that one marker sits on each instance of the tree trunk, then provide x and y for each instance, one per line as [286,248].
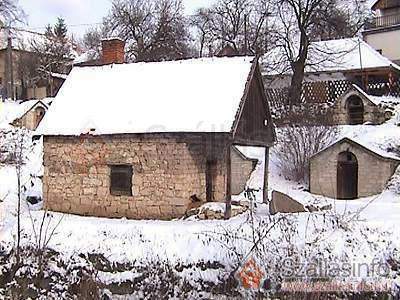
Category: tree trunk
[298,72]
[296,84]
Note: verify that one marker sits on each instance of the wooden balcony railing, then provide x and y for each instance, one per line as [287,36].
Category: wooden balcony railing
[383,21]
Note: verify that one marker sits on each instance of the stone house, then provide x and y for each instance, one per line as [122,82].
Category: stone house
[357,107]
[150,140]
[349,170]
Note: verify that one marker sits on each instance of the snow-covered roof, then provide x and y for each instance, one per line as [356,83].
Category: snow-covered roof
[12,110]
[195,95]
[342,55]
[376,100]
[86,56]
[59,75]
[370,147]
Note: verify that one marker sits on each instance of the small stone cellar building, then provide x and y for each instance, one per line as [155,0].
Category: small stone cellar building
[349,170]
[357,107]
[148,140]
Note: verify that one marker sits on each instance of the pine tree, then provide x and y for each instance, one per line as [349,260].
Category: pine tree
[60,29]
[54,50]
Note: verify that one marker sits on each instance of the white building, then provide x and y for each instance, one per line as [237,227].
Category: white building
[383,33]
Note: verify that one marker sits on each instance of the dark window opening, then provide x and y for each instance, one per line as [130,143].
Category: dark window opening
[121,180]
[355,109]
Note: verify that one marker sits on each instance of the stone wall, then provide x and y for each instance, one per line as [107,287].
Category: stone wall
[167,171]
[242,167]
[373,171]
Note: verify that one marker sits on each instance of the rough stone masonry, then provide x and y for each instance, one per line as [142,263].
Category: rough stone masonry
[167,171]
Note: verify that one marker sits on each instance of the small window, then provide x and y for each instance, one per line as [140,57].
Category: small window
[121,180]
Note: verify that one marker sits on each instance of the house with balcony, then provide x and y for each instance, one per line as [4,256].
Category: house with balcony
[383,31]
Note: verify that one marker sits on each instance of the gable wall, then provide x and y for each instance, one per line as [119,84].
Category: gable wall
[373,172]
[167,170]
[29,120]
[251,126]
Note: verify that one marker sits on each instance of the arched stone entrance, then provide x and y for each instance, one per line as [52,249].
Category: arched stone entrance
[39,114]
[347,176]
[355,110]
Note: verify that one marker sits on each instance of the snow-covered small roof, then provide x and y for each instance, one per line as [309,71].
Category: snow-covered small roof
[86,57]
[195,95]
[13,110]
[376,100]
[342,55]
[369,147]
[59,75]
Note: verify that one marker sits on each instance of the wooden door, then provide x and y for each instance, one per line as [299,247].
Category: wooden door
[347,176]
[210,180]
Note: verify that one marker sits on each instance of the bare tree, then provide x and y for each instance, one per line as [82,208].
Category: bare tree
[92,42]
[154,30]
[297,143]
[241,24]
[43,232]
[299,22]
[201,22]
[10,12]
[19,148]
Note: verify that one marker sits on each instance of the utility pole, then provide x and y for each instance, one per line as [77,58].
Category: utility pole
[10,83]
[245,34]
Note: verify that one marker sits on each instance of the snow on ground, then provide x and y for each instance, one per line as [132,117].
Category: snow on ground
[358,231]
[29,179]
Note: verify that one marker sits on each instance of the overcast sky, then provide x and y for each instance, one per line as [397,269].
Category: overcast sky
[75,12]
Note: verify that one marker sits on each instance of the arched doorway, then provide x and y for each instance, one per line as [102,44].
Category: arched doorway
[355,110]
[39,114]
[347,176]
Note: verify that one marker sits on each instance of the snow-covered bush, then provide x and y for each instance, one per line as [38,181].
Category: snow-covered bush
[394,183]
[54,279]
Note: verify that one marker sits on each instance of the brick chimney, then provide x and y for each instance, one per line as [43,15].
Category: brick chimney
[113,51]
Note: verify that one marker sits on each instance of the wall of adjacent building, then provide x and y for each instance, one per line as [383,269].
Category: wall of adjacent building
[387,41]
[242,168]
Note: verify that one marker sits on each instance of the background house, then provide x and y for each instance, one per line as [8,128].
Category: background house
[333,68]
[383,32]
[20,60]
[149,139]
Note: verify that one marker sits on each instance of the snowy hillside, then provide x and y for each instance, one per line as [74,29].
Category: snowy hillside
[205,253]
